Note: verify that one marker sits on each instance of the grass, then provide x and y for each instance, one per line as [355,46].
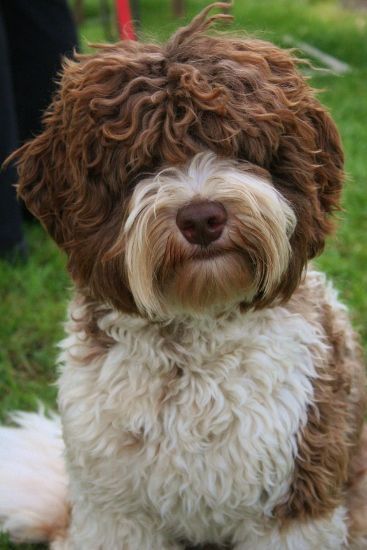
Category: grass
[34,295]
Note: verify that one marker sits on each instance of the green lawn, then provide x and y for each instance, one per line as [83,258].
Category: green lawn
[34,295]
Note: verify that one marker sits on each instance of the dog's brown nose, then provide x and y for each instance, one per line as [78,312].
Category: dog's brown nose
[202,222]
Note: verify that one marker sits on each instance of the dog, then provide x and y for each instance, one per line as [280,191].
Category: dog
[211,387]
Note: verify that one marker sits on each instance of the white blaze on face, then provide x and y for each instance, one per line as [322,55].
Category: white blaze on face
[167,273]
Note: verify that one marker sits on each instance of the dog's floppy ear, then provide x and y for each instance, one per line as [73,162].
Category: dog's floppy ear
[308,170]
[43,182]
[54,168]
[310,157]
[329,174]
[308,165]
[72,180]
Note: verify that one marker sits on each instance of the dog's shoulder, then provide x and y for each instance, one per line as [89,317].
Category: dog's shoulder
[329,440]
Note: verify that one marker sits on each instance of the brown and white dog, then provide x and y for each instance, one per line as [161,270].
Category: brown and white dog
[211,389]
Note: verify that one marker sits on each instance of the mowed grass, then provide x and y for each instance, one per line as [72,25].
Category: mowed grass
[34,295]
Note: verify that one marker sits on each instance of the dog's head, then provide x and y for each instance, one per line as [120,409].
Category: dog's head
[186,176]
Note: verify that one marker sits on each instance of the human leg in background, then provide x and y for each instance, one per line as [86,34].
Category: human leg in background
[34,37]
[11,237]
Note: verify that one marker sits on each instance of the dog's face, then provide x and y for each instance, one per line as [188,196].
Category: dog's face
[205,235]
[185,177]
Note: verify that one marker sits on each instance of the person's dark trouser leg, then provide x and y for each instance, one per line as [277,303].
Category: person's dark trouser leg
[11,236]
[40,33]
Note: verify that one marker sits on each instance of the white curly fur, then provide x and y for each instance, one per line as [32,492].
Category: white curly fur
[208,460]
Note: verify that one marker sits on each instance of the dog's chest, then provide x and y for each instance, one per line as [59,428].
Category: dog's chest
[192,423]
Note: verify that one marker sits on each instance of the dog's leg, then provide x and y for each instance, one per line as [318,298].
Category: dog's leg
[99,530]
[327,534]
[61,544]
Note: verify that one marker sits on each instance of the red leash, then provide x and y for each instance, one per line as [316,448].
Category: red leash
[125,23]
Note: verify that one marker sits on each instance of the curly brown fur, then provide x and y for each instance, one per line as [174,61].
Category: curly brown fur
[131,108]
[324,465]
[357,492]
